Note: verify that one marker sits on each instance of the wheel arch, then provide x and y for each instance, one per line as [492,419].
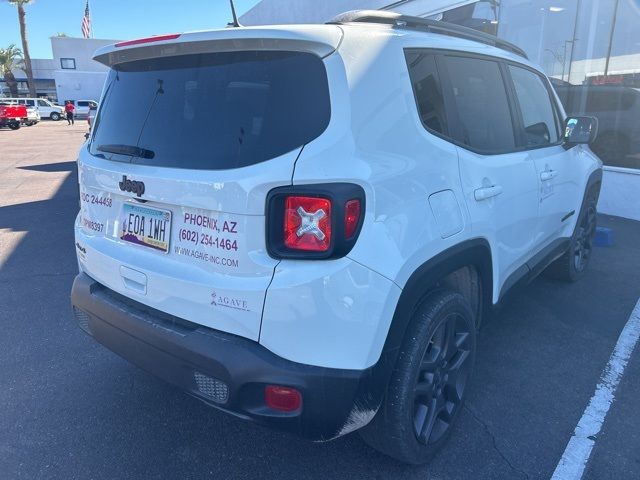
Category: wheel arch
[432,274]
[594,183]
[474,253]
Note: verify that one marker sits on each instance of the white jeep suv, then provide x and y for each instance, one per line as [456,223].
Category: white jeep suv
[305,225]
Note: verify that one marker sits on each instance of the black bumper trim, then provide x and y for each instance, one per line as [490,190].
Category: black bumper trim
[174,349]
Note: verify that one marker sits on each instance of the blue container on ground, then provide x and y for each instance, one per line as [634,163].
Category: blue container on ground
[604,237]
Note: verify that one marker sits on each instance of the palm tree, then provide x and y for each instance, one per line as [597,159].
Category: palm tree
[25,44]
[10,58]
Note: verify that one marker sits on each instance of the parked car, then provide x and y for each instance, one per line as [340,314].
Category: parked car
[618,111]
[33,116]
[83,107]
[12,115]
[92,115]
[308,230]
[46,109]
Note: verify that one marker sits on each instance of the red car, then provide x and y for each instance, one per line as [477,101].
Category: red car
[12,115]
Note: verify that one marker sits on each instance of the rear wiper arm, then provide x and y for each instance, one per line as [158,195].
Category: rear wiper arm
[131,150]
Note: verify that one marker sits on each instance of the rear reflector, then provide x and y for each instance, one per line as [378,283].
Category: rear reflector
[156,38]
[282,399]
[307,224]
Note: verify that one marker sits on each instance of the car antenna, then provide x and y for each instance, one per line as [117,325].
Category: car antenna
[235,23]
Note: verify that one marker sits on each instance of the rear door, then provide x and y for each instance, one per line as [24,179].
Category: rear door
[499,182]
[173,184]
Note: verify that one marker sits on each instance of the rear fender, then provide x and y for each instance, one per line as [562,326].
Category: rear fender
[424,279]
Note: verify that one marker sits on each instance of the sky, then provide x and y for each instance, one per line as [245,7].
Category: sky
[112,19]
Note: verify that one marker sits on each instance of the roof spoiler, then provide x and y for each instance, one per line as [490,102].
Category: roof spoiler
[424,24]
[320,41]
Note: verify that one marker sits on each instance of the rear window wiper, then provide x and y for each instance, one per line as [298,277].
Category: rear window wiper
[130,150]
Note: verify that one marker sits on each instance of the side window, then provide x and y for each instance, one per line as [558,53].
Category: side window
[427,90]
[480,98]
[83,104]
[31,103]
[42,103]
[538,117]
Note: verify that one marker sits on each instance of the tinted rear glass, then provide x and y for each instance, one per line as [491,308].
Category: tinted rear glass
[482,105]
[213,111]
[427,90]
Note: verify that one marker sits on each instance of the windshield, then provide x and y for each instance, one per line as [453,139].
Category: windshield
[213,111]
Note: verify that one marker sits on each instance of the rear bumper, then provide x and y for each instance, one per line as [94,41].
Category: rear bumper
[224,370]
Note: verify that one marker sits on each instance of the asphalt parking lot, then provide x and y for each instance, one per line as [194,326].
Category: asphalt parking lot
[72,409]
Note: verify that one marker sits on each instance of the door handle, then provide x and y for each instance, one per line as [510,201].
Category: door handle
[487,192]
[548,174]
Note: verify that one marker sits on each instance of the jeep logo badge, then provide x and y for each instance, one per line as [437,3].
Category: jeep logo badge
[133,186]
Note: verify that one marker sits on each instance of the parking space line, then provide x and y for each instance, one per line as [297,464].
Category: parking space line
[576,455]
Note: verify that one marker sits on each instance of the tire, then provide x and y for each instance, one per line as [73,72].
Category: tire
[14,125]
[428,385]
[572,265]
[55,116]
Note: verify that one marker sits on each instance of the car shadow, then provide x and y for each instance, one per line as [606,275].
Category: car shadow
[52,167]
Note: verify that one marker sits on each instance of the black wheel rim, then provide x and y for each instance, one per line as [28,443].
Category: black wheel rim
[584,240]
[443,375]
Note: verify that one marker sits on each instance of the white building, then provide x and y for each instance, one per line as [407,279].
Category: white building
[70,75]
[77,75]
[43,69]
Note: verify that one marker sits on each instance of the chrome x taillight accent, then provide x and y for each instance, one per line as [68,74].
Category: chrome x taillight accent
[310,223]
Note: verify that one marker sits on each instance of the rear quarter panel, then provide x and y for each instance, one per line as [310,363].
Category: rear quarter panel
[375,140]
[382,145]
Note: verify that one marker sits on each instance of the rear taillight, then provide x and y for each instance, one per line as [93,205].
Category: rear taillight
[314,221]
[307,223]
[351,217]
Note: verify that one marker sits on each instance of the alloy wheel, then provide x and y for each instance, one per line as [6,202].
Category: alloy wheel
[584,240]
[442,378]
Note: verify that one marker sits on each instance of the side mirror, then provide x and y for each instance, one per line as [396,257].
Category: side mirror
[580,130]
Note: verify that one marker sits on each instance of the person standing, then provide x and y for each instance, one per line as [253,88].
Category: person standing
[70,109]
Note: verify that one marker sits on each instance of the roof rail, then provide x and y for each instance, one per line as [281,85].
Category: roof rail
[424,24]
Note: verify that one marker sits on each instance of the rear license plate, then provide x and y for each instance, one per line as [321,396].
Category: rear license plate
[146,226]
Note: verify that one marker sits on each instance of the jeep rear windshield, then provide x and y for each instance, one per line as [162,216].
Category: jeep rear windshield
[212,111]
